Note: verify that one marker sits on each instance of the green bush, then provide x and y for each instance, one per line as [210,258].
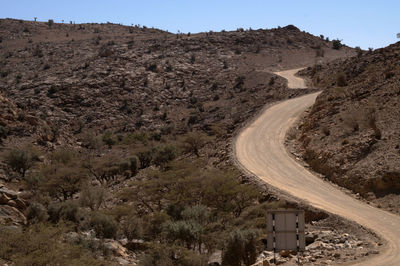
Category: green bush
[188,233]
[20,159]
[145,158]
[109,139]
[165,155]
[62,181]
[241,247]
[193,142]
[337,44]
[167,255]
[36,213]
[92,197]
[133,228]
[67,211]
[42,244]
[103,225]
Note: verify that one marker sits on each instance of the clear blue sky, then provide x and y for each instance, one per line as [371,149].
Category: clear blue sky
[358,23]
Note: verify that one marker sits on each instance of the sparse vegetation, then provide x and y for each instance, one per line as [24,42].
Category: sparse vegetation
[133,132]
[20,159]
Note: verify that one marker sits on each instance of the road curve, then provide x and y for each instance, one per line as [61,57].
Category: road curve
[260,149]
[293,81]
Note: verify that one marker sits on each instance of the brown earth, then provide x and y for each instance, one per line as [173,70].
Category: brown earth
[351,134]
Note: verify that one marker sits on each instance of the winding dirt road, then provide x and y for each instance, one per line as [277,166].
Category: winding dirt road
[260,149]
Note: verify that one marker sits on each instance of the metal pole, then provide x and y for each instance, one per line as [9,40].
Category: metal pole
[274,236]
[297,238]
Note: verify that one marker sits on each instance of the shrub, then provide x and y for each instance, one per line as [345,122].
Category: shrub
[358,51]
[107,167]
[50,22]
[67,211]
[61,181]
[193,119]
[186,232]
[92,197]
[241,248]
[337,44]
[20,159]
[165,155]
[91,141]
[36,213]
[133,228]
[3,133]
[341,80]
[63,156]
[103,225]
[239,82]
[193,142]
[152,67]
[145,158]
[42,244]
[105,51]
[109,139]
[134,164]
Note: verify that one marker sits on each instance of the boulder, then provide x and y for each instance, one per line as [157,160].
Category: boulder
[117,249]
[11,216]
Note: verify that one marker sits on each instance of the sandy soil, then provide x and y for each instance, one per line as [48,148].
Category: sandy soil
[260,149]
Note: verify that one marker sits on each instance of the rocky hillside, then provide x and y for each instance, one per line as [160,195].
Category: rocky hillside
[115,145]
[351,135]
[107,76]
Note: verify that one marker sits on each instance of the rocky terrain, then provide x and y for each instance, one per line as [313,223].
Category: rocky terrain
[351,134]
[115,141]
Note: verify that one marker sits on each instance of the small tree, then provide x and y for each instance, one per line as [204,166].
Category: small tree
[165,155]
[109,139]
[61,181]
[92,197]
[193,142]
[241,248]
[20,159]
[103,225]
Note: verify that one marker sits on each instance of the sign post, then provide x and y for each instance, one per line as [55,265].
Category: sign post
[285,231]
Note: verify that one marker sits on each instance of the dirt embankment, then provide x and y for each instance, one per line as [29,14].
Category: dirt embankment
[351,134]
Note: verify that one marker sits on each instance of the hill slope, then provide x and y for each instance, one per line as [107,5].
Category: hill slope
[352,132]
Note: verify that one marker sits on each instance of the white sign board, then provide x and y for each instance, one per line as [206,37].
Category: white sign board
[285,230]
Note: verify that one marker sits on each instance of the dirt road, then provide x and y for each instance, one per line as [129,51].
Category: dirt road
[293,81]
[260,149]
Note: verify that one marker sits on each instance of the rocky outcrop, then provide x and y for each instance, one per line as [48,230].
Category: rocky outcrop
[11,207]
